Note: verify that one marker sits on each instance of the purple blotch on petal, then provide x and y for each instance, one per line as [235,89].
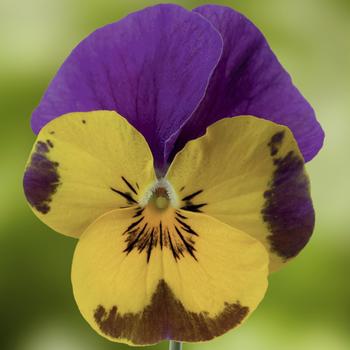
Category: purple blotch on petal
[41,178]
[288,209]
[276,142]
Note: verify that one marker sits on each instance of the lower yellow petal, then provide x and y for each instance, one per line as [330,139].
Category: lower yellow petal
[140,277]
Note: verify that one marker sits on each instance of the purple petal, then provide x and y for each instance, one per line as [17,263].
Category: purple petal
[249,80]
[152,67]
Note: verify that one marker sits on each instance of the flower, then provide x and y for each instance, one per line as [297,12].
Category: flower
[181,210]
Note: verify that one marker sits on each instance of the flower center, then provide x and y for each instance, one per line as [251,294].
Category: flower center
[162,203]
[160,196]
[159,222]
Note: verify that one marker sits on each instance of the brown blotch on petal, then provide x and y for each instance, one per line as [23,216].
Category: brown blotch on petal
[166,318]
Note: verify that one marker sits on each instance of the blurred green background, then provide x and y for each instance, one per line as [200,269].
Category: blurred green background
[308,303]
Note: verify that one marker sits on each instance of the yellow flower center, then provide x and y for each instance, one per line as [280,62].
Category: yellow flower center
[160,198]
[162,203]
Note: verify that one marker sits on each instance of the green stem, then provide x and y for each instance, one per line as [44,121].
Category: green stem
[175,345]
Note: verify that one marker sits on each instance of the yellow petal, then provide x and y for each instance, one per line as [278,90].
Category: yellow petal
[140,276]
[84,165]
[249,173]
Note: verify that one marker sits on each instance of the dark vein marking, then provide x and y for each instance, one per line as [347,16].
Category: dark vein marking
[133,225]
[191,196]
[194,207]
[181,216]
[131,244]
[181,251]
[145,242]
[129,185]
[155,240]
[138,212]
[186,227]
[149,250]
[125,195]
[172,247]
[188,246]
[161,235]
[190,206]
[143,237]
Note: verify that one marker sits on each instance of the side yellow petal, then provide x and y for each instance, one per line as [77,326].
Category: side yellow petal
[249,173]
[139,277]
[84,165]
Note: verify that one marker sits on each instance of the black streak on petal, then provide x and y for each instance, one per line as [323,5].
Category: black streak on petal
[189,205]
[175,255]
[150,246]
[181,216]
[192,195]
[129,185]
[186,227]
[126,195]
[161,235]
[143,238]
[131,243]
[194,207]
[41,178]
[190,248]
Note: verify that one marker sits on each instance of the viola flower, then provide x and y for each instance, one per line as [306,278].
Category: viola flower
[172,144]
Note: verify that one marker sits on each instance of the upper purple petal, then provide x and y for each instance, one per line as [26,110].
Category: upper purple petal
[249,80]
[152,67]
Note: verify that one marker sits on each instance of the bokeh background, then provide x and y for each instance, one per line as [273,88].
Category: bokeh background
[307,306]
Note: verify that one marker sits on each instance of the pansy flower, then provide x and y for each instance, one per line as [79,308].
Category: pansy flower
[172,144]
